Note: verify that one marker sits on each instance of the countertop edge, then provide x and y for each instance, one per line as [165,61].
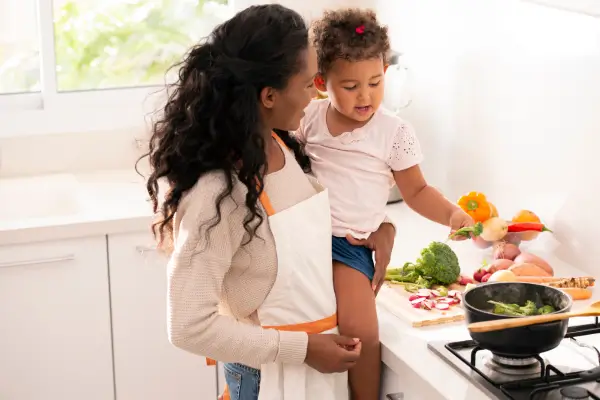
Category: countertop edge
[74,229]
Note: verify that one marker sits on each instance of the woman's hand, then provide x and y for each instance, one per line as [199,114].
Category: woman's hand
[459,219]
[381,242]
[329,353]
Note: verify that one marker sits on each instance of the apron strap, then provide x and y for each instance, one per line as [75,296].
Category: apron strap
[263,198]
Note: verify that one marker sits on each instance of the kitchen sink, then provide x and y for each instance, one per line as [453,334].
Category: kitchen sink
[34,198]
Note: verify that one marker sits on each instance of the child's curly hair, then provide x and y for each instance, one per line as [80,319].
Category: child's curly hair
[351,34]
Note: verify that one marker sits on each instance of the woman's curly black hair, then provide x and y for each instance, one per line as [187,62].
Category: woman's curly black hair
[212,122]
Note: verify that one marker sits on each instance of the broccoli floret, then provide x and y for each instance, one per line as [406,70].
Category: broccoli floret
[529,308]
[439,263]
[406,274]
[506,309]
[546,309]
[423,282]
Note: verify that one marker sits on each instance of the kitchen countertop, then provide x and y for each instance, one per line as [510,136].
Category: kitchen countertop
[62,206]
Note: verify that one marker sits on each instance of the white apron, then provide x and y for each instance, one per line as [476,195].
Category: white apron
[302,297]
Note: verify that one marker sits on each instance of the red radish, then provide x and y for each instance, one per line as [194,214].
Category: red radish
[435,293]
[456,300]
[490,269]
[425,293]
[464,280]
[505,250]
[454,293]
[442,306]
[428,304]
[479,274]
[446,300]
[485,278]
[417,303]
[413,297]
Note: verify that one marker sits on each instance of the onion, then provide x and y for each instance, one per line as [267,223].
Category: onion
[513,237]
[503,276]
[504,250]
[494,229]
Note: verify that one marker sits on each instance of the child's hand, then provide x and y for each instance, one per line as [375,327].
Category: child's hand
[381,242]
[459,219]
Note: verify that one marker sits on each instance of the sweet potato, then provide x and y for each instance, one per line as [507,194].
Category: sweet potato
[499,265]
[529,258]
[578,293]
[528,269]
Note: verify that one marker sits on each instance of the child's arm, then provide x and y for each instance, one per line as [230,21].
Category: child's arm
[404,159]
[422,198]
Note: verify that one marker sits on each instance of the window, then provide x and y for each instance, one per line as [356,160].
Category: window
[19,47]
[70,62]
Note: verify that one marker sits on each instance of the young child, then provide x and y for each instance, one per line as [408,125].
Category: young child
[357,151]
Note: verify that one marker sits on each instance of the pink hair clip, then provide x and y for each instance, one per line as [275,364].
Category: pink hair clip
[360,29]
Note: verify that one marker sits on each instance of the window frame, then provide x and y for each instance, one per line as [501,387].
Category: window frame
[49,111]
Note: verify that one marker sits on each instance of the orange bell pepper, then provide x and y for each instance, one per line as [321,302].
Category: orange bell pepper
[476,205]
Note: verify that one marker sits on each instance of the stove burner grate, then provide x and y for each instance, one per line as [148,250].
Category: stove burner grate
[539,377]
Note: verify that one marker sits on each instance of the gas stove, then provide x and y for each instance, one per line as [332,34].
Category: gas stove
[570,372]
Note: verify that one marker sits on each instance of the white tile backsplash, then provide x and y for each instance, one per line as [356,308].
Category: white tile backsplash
[507,101]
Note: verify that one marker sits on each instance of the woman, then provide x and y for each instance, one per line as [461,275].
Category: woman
[250,274]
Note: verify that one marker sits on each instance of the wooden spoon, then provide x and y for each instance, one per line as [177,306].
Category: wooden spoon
[506,323]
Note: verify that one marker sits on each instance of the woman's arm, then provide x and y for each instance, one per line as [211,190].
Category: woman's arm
[196,273]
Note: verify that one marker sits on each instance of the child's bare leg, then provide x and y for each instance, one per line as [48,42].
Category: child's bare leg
[357,317]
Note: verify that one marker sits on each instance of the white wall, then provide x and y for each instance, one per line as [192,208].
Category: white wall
[507,101]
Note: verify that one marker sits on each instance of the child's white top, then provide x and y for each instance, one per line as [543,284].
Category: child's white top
[357,166]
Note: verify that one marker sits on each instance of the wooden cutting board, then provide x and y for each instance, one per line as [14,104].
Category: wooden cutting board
[395,300]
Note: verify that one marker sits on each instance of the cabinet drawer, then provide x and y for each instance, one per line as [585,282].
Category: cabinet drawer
[58,253]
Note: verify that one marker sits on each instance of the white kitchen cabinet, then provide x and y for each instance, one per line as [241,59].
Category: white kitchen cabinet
[405,386]
[55,338]
[147,366]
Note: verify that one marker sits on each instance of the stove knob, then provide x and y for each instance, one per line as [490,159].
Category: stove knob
[574,393]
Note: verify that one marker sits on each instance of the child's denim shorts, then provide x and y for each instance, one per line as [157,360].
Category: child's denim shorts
[358,257]
[243,382]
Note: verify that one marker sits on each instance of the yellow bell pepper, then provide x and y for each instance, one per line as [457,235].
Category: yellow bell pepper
[476,205]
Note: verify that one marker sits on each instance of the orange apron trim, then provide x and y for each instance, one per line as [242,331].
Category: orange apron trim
[226,395]
[312,328]
[263,198]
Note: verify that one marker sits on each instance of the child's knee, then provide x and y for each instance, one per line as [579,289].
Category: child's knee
[354,327]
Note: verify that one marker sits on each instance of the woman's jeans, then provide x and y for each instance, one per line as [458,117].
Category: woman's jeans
[243,382]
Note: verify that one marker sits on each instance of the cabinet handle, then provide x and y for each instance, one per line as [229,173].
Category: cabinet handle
[395,396]
[68,257]
[145,249]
